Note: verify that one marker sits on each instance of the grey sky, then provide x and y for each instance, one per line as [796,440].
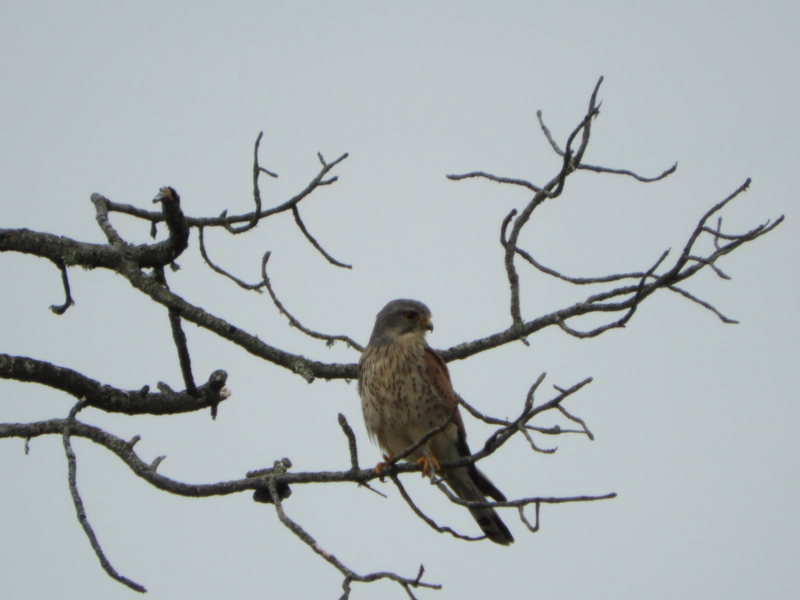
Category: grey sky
[694,419]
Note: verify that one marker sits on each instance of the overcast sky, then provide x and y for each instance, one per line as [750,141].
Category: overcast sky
[695,421]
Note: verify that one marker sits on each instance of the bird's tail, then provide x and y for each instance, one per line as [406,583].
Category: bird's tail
[471,485]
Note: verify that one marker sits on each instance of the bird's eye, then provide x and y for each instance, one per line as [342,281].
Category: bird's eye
[410,315]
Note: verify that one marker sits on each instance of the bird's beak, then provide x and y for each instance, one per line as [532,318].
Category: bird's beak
[427,324]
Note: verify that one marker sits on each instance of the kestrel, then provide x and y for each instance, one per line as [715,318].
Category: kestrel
[406,391]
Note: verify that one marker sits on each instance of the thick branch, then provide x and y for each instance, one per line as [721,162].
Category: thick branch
[108,398]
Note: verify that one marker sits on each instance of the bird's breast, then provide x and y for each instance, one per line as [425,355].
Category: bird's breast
[397,399]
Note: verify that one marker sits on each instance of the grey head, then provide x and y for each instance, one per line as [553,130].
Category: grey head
[400,317]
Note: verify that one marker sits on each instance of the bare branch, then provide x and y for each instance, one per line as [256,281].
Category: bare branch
[666,173]
[699,229]
[522,501]
[576,280]
[575,419]
[504,227]
[556,430]
[247,286]
[349,575]
[111,399]
[314,242]
[330,339]
[60,309]
[146,255]
[101,210]
[531,528]
[351,442]
[524,430]
[179,337]
[621,322]
[225,220]
[702,303]
[551,190]
[479,415]
[596,169]
[81,513]
[490,177]
[427,519]
[548,135]
[257,170]
[92,255]
[254,480]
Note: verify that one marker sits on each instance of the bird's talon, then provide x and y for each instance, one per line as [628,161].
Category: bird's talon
[382,465]
[426,463]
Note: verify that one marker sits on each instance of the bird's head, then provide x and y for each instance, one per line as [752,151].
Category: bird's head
[399,318]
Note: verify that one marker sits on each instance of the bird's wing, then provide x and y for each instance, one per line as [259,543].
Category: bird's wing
[439,377]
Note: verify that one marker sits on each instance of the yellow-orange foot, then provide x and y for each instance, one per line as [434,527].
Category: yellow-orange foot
[426,464]
[382,465]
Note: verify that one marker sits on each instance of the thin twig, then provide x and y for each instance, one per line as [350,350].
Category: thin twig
[576,280]
[350,575]
[314,242]
[531,528]
[330,339]
[490,177]
[596,169]
[60,309]
[641,293]
[224,220]
[427,519]
[179,337]
[504,227]
[257,170]
[351,442]
[247,286]
[702,303]
[522,501]
[575,419]
[81,512]
[548,135]
[524,430]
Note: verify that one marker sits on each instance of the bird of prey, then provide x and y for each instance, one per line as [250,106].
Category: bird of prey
[405,392]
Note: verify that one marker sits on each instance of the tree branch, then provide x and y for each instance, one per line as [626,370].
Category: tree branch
[60,309]
[330,339]
[81,512]
[111,399]
[314,242]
